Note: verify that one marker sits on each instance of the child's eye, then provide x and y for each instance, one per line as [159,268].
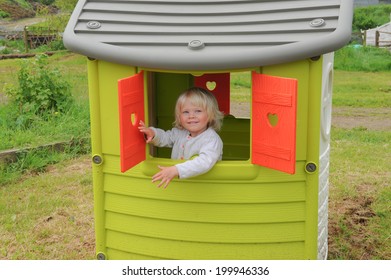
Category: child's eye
[185,112]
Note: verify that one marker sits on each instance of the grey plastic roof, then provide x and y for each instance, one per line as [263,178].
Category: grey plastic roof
[207,35]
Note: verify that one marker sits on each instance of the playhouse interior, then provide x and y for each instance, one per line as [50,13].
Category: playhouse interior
[163,90]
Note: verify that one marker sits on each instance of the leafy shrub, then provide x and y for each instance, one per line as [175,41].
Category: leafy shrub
[4,14]
[12,46]
[370,17]
[66,5]
[42,90]
[57,45]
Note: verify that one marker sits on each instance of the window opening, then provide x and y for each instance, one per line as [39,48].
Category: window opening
[273,120]
[240,84]
[164,89]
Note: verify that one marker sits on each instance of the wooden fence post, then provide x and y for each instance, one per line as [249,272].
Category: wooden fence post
[364,37]
[25,39]
[377,37]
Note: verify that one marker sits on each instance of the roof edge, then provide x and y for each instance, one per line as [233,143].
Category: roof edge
[226,60]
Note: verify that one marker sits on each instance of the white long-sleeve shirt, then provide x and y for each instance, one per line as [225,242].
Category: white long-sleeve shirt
[207,147]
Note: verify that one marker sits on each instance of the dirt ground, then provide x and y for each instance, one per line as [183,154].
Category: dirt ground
[369,118]
[18,25]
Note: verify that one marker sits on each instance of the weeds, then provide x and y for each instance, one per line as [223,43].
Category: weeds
[360,214]
[371,16]
[42,110]
[35,160]
[366,59]
[41,91]
[362,89]
[49,216]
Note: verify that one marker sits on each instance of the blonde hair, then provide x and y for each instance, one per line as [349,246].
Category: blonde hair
[204,99]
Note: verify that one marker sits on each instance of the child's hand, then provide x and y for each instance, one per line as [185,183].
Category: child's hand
[165,175]
[149,133]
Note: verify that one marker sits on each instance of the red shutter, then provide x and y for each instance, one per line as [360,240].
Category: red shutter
[219,86]
[274,122]
[131,111]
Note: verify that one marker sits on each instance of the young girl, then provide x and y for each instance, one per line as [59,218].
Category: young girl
[193,138]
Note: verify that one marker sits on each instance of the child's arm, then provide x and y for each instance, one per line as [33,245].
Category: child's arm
[209,154]
[149,133]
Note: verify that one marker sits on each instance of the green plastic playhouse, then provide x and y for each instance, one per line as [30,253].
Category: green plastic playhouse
[268,198]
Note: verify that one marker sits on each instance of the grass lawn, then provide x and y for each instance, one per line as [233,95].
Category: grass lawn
[49,215]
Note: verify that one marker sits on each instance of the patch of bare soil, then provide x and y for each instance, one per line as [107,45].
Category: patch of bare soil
[18,25]
[79,166]
[349,217]
[240,109]
[367,118]
[72,227]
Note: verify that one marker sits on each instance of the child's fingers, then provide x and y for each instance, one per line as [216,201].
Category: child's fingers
[149,139]
[163,178]
[147,134]
[163,182]
[141,125]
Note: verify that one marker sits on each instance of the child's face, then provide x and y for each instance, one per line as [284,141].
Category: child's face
[193,118]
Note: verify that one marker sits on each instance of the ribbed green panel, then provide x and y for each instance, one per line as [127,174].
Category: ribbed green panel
[122,255]
[235,192]
[205,232]
[239,213]
[223,171]
[171,249]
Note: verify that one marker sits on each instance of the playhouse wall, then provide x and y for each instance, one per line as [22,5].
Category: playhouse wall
[324,154]
[235,211]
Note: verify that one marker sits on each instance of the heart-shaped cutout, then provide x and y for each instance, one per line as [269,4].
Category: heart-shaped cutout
[273,119]
[133,119]
[211,85]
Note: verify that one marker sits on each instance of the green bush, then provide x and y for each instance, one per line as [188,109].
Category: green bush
[12,46]
[42,90]
[370,17]
[4,14]
[66,5]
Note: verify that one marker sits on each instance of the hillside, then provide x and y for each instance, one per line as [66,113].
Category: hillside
[17,9]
